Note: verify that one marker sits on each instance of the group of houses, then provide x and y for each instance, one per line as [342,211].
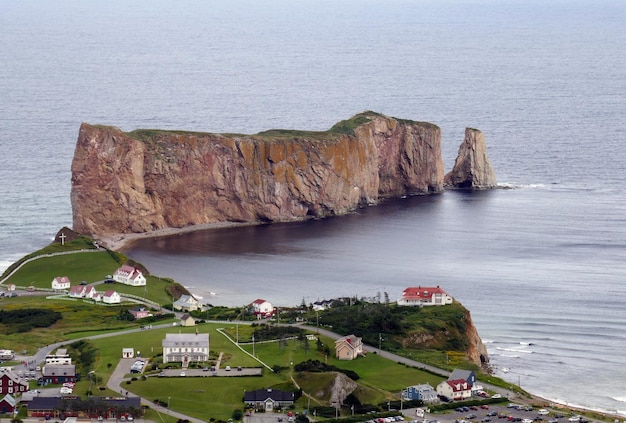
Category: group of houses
[57,369]
[127,275]
[460,385]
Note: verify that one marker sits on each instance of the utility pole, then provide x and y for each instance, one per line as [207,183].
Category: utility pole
[380,342]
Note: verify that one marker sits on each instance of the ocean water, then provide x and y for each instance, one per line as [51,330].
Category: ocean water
[541,266]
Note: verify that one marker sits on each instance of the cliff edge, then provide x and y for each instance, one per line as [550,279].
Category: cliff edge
[148,180]
[472,168]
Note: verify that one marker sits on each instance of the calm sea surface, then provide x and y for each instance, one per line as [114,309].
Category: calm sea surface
[541,266]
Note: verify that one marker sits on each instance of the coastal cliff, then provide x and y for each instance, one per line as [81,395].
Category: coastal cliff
[148,180]
[472,168]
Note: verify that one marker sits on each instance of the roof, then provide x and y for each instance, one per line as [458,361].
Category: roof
[181,339]
[62,279]
[131,271]
[460,374]
[59,370]
[77,289]
[259,301]
[9,399]
[458,385]
[261,395]
[422,292]
[350,339]
[109,293]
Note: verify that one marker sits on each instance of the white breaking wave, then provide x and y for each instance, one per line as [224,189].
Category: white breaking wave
[517,350]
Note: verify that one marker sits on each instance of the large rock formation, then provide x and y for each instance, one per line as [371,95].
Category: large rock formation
[472,168]
[148,180]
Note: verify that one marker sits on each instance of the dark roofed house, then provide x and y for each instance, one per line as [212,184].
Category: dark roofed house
[59,373]
[269,399]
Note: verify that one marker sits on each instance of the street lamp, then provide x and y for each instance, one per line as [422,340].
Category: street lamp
[91,373]
[168,405]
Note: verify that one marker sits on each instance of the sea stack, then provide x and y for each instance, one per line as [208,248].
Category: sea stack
[472,169]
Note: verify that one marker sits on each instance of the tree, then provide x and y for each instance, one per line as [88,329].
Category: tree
[237,414]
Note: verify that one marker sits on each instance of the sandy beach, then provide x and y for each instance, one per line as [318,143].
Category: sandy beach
[119,242]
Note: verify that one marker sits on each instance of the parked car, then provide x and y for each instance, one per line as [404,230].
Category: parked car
[183,374]
[484,407]
[227,368]
[543,412]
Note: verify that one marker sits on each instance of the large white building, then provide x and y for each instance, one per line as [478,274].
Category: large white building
[425,296]
[186,348]
[129,275]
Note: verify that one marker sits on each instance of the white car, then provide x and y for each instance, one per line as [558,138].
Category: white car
[182,374]
[574,419]
[543,412]
[65,390]
[496,396]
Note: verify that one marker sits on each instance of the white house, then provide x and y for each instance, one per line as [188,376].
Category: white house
[187,303]
[128,352]
[129,275]
[262,308]
[61,282]
[89,292]
[111,297]
[457,389]
[77,291]
[424,296]
[185,348]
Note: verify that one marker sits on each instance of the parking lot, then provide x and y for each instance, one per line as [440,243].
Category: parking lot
[506,413]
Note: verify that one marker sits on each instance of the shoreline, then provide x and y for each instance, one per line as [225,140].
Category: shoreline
[124,241]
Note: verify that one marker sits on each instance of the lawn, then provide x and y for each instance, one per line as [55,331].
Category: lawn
[91,267]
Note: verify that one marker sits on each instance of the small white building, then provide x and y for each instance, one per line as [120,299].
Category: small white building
[77,291]
[262,308]
[111,297]
[61,283]
[89,292]
[129,275]
[128,352]
[186,348]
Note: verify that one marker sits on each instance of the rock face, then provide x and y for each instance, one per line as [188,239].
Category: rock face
[147,180]
[476,352]
[472,168]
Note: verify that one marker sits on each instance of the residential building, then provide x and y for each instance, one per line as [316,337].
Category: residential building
[129,275]
[139,312]
[262,308]
[349,347]
[455,389]
[467,375]
[58,373]
[268,399]
[128,352]
[61,283]
[187,303]
[423,392]
[11,383]
[78,291]
[7,404]
[186,348]
[424,296]
[111,297]
[90,292]
[187,320]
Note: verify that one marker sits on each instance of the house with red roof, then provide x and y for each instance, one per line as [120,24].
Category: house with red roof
[262,308]
[11,383]
[425,296]
[457,389]
[129,275]
[111,297]
[349,347]
[61,283]
[77,291]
